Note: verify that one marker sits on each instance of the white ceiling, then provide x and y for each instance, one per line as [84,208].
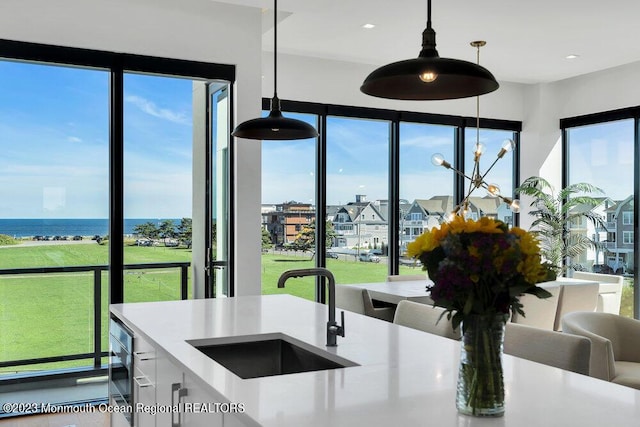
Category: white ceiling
[527,41]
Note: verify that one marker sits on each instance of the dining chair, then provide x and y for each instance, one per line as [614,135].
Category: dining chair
[358,300]
[425,318]
[405,277]
[615,345]
[350,298]
[562,350]
[576,297]
[385,313]
[539,312]
[610,293]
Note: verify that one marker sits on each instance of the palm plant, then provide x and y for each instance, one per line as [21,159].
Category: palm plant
[554,215]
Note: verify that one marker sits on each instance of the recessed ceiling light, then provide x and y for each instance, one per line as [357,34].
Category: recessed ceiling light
[368,26]
[572,56]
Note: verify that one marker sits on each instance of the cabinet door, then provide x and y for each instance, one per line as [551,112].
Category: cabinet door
[199,407]
[168,386]
[144,383]
[232,420]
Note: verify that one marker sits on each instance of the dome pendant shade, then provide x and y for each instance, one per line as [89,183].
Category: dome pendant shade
[429,77]
[454,79]
[275,127]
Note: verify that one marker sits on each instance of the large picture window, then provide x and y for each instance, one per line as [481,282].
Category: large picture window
[601,154]
[370,186]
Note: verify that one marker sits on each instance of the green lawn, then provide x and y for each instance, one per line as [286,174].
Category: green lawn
[345,270]
[626,305]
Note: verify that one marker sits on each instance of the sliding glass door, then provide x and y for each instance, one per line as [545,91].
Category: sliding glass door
[158,156]
[219,189]
[54,201]
[88,150]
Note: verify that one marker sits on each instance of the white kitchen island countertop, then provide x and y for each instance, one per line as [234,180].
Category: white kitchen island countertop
[405,377]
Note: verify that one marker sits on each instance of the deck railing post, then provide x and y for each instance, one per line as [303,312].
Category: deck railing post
[183,282]
[97,317]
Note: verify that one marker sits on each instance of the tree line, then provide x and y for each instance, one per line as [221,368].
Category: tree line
[167,229]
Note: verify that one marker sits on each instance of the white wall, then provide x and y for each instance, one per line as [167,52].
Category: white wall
[538,106]
[205,31]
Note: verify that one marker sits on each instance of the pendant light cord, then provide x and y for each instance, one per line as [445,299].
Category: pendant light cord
[275,49]
[478,101]
[429,14]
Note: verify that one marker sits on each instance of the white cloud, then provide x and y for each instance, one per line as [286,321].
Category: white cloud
[163,113]
[74,139]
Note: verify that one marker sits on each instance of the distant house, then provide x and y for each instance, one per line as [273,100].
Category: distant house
[423,215]
[285,220]
[620,236]
[361,224]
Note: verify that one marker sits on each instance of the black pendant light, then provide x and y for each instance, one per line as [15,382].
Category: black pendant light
[429,77]
[275,126]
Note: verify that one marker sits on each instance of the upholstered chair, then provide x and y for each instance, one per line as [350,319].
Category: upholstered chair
[562,350]
[539,312]
[615,345]
[610,293]
[358,300]
[425,318]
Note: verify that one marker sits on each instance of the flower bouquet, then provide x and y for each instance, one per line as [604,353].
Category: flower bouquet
[479,271]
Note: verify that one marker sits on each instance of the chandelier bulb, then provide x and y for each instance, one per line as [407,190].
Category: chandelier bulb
[508,145]
[438,160]
[493,190]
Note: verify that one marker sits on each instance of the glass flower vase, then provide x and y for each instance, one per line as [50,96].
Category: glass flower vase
[480,390]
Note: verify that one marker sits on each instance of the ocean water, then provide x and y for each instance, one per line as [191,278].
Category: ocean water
[68,227]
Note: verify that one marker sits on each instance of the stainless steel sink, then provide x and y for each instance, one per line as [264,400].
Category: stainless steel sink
[267,355]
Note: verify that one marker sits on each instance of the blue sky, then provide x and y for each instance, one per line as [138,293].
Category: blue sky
[602,155]
[54,140]
[357,162]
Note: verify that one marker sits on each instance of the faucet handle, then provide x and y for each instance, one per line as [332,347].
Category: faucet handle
[341,327]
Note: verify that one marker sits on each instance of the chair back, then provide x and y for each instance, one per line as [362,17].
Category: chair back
[384,313]
[350,298]
[539,312]
[562,350]
[576,297]
[610,294]
[598,328]
[425,318]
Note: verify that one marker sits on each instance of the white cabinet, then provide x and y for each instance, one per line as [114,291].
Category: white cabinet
[160,386]
[199,408]
[176,389]
[231,420]
[144,383]
[168,390]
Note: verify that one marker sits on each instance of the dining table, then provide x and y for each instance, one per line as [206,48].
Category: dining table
[572,299]
[396,291]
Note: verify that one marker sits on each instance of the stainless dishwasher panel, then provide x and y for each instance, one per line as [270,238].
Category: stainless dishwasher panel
[121,367]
